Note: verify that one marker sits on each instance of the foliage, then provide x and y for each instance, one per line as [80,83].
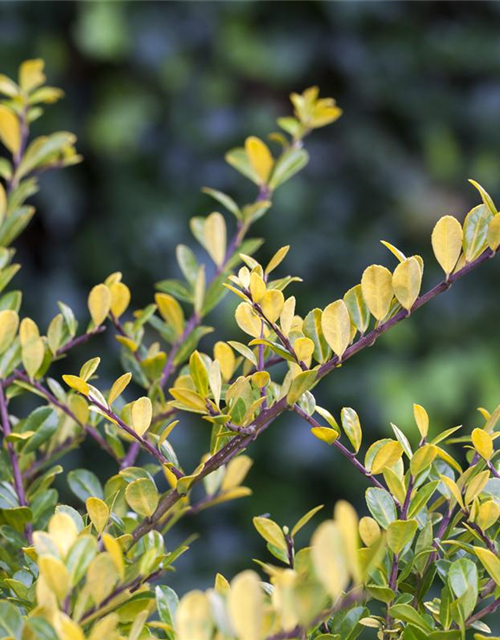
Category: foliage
[420,565]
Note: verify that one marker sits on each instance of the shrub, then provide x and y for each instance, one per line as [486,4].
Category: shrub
[419,566]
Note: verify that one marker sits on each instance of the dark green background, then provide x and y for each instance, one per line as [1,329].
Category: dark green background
[157,92]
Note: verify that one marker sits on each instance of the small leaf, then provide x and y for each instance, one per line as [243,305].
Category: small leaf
[10,130]
[330,559]
[247,320]
[381,506]
[483,443]
[260,158]
[406,282]
[120,298]
[300,384]
[76,383]
[325,434]
[352,427]
[400,533]
[119,387]
[142,414]
[490,562]
[447,242]
[272,304]
[142,496]
[271,532]
[9,323]
[214,235]
[99,303]
[376,286]
[98,512]
[336,326]
[171,311]
[422,419]
[387,456]
[476,226]
[245,604]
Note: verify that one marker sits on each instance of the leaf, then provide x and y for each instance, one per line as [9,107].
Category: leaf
[214,236]
[494,233]
[272,304]
[167,602]
[33,353]
[329,558]
[44,422]
[387,456]
[287,165]
[9,323]
[358,310]
[171,311]
[422,419]
[193,617]
[381,506]
[271,532]
[10,130]
[142,496]
[245,604]
[454,490]
[490,562]
[55,575]
[407,613]
[98,512]
[247,320]
[120,298]
[225,357]
[84,484]
[311,328]
[31,74]
[277,259]
[236,472]
[199,373]
[400,533]
[79,558]
[11,621]
[225,200]
[287,315]
[142,414]
[300,384]
[476,226]
[485,197]
[423,458]
[101,577]
[376,286]
[260,158]
[483,443]
[99,303]
[352,427]
[463,580]
[406,282]
[446,239]
[119,387]
[325,434]
[76,383]
[305,519]
[336,326]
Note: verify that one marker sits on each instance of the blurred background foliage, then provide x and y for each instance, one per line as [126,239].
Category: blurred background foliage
[157,92]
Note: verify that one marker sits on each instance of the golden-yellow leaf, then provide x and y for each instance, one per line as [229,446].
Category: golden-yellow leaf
[31,74]
[387,456]
[369,530]
[260,158]
[447,242]
[225,356]
[98,512]
[406,282]
[119,387]
[9,322]
[10,130]
[422,419]
[272,304]
[171,311]
[63,532]
[76,383]
[248,321]
[483,443]
[55,574]
[287,315]
[494,233]
[336,326]
[276,260]
[257,287]
[142,414]
[120,298]
[99,303]
[376,286]
[246,606]
[33,353]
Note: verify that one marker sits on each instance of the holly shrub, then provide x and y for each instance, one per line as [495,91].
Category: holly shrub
[423,564]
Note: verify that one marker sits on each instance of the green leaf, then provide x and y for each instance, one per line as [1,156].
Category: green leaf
[463,580]
[44,422]
[300,384]
[142,496]
[381,506]
[79,557]
[11,621]
[407,613]
[475,238]
[85,484]
[490,562]
[400,533]
[167,602]
[288,164]
[312,330]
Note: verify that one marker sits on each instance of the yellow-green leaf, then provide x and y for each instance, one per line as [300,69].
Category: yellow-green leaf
[225,356]
[142,496]
[120,298]
[490,562]
[214,235]
[488,514]
[376,286]
[271,532]
[31,74]
[171,311]
[55,574]
[369,530]
[277,259]
[33,353]
[119,387]
[446,239]
[63,532]
[193,617]
[89,368]
[330,559]
[494,233]
[76,383]
[272,304]
[99,303]
[476,226]
[305,519]
[142,414]
[98,512]
[336,326]
[406,282]
[400,533]
[422,419]
[352,427]
[325,434]
[9,323]
[358,310]
[387,456]
[300,384]
[260,158]
[423,458]
[247,320]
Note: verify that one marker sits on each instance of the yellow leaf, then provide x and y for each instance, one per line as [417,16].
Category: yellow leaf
[236,472]
[400,533]
[376,286]
[304,348]
[325,434]
[247,320]
[260,158]
[127,342]
[77,384]
[31,74]
[114,549]
[214,235]
[63,532]
[119,387]
[99,303]
[423,458]
[105,628]
[287,315]
[261,379]
[9,322]
[142,414]
[329,558]
[488,514]
[447,242]
[33,353]
[102,575]
[346,520]
[10,130]
[455,491]
[79,407]
[120,298]
[387,456]
[271,532]
[336,326]
[352,427]
[55,575]
[225,357]
[490,562]
[276,260]
[476,485]
[257,287]
[494,233]
[171,311]
[483,443]
[422,419]
[3,202]
[89,368]
[369,530]
[272,304]
[246,606]
[28,330]
[68,629]
[98,512]
[406,282]
[193,617]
